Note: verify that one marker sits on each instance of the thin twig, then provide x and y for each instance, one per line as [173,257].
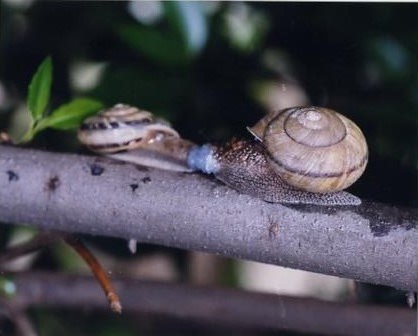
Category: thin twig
[41,240]
[97,271]
[44,239]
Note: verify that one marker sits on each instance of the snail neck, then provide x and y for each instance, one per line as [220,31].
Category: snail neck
[202,158]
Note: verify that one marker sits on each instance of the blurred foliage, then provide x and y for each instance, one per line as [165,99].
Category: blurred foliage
[213,68]
[7,287]
[178,43]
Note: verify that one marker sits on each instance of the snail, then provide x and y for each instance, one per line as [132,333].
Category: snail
[129,134]
[299,155]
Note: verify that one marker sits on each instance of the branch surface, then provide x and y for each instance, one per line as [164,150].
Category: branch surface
[373,242]
[220,306]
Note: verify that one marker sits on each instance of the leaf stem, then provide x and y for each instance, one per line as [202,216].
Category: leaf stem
[28,136]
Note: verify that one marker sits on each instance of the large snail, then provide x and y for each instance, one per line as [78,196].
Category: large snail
[299,155]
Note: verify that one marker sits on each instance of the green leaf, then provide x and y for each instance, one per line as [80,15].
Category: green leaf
[69,116]
[158,46]
[40,89]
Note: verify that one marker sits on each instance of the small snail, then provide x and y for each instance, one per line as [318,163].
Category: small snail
[299,155]
[129,134]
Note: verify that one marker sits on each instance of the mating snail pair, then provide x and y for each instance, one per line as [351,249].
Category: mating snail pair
[302,155]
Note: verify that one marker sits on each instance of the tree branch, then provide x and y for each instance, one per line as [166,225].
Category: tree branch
[222,306]
[32,245]
[373,243]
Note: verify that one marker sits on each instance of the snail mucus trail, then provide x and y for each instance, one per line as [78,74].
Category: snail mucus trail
[299,155]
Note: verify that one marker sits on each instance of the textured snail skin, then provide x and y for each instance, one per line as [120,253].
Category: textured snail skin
[243,165]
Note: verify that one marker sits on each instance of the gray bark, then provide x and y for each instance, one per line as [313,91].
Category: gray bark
[373,242]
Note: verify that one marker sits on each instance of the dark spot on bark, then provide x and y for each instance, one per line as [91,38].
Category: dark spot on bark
[382,218]
[53,183]
[134,186]
[12,176]
[146,180]
[141,168]
[273,228]
[96,170]
[385,218]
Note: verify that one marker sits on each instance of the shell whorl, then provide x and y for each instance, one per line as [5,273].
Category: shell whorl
[314,149]
[129,134]
[123,127]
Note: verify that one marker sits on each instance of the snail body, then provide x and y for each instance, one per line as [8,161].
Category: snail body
[299,155]
[244,166]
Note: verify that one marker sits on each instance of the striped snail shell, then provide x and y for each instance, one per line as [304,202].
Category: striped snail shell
[313,148]
[126,133]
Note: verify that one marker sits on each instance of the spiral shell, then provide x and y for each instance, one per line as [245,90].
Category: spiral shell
[123,127]
[312,148]
[129,134]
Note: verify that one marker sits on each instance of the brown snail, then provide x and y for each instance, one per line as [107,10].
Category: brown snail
[299,155]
